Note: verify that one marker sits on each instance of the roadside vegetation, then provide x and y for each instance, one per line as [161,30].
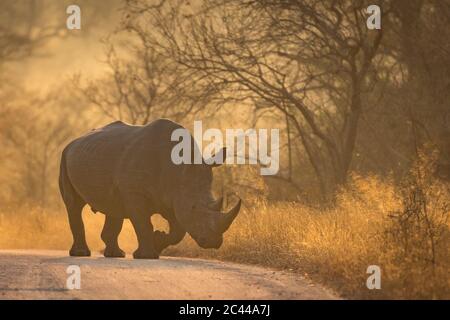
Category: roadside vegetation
[403,229]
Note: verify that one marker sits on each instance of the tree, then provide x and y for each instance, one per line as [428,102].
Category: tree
[421,42]
[313,61]
[20,32]
[144,82]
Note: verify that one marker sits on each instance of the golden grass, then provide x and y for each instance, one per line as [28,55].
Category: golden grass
[332,246]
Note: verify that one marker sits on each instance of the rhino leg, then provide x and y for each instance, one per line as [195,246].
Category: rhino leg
[74,207]
[137,210]
[175,235]
[74,204]
[79,247]
[110,234]
[144,233]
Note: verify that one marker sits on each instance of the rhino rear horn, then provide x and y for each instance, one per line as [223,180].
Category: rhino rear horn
[217,204]
[227,218]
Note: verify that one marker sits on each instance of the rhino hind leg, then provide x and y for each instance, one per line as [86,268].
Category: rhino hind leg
[110,234]
[79,247]
[74,205]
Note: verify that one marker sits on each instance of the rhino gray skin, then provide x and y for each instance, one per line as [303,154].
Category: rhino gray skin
[126,171]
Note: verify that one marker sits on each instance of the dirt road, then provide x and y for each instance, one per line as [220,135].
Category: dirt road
[32,274]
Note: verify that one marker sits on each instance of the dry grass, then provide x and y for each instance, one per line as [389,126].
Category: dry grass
[332,246]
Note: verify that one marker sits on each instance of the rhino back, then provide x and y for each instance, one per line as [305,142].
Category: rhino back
[117,158]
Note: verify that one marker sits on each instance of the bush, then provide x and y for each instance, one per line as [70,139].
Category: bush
[404,230]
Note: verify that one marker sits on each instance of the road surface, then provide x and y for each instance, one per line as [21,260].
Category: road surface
[33,274]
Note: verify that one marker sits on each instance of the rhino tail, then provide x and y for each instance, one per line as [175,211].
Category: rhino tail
[68,192]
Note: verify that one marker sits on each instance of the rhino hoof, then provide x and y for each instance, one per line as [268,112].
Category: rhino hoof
[138,254]
[80,252]
[114,252]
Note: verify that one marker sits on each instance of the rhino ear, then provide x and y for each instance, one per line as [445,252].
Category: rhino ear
[218,159]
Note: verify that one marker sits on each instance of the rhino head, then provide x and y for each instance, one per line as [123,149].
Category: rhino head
[196,209]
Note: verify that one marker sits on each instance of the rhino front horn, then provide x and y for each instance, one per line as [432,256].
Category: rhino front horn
[228,218]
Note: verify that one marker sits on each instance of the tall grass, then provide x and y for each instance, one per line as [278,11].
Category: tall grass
[372,223]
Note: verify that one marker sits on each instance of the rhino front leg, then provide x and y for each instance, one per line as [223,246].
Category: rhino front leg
[140,219]
[144,233]
[175,235]
[110,235]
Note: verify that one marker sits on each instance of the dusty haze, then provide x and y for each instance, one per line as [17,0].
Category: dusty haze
[363,117]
